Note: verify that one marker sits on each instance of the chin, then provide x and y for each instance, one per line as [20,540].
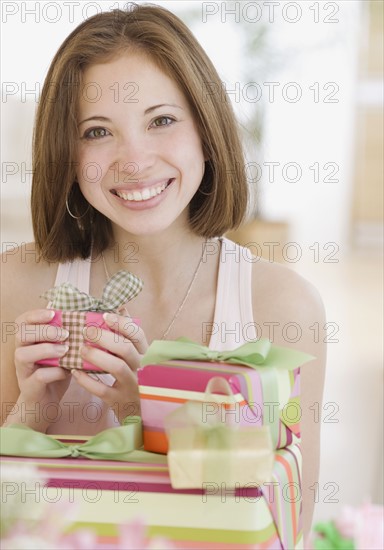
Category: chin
[144,230]
[155,225]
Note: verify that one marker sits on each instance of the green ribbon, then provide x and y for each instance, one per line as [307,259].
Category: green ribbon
[122,444]
[253,354]
[329,538]
[259,355]
[121,288]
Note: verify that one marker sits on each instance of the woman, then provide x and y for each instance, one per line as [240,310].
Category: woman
[136,167]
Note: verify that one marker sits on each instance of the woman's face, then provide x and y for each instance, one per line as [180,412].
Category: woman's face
[140,158]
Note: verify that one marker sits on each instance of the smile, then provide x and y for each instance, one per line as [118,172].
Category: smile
[142,195]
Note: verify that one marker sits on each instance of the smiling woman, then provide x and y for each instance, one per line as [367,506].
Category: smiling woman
[137,167]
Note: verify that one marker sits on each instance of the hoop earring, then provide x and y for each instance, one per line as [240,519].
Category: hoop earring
[72,215]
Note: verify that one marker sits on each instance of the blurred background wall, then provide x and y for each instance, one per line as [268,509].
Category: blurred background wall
[305,79]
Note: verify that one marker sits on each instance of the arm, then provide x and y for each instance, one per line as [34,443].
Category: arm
[281,296]
[25,387]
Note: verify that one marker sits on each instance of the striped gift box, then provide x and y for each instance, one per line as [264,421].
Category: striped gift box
[111,493]
[166,386]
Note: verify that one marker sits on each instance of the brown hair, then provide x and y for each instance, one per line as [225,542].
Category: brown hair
[221,200]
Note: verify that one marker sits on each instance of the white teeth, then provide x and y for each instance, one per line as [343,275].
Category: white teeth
[143,195]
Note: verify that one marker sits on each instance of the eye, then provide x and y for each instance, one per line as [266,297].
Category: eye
[96,133]
[162,121]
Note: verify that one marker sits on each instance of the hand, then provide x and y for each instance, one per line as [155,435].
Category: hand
[39,386]
[128,343]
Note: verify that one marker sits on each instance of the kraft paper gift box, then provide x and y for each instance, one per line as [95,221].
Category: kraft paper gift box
[264,380]
[108,493]
[213,452]
[77,311]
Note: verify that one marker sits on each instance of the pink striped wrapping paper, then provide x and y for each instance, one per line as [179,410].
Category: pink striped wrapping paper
[107,494]
[166,386]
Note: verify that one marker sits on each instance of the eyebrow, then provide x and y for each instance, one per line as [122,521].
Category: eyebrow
[146,112]
[96,117]
[150,109]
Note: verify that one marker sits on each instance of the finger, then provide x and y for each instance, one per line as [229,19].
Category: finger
[115,343]
[119,367]
[32,334]
[94,386]
[47,375]
[129,329]
[111,395]
[42,377]
[32,354]
[36,316]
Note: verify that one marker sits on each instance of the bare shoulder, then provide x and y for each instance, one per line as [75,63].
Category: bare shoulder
[282,296]
[289,311]
[24,277]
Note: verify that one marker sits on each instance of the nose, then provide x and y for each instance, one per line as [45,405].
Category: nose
[135,156]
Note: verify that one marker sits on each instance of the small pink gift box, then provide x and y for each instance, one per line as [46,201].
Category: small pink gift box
[77,311]
[77,323]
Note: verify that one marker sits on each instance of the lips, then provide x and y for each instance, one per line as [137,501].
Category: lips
[144,194]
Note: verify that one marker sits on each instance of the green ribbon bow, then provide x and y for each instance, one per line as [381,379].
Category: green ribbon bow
[122,444]
[121,288]
[254,354]
[329,538]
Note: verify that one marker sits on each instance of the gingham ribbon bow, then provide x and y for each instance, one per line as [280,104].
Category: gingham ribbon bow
[120,288]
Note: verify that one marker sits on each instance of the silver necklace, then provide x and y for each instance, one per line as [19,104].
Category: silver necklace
[105,267]
[165,333]
[175,316]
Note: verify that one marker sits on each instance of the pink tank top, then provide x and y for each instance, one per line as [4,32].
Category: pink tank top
[85,414]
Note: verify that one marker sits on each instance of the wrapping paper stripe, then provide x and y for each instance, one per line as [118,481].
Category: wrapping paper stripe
[197,538]
[109,543]
[181,516]
[152,392]
[155,440]
[285,504]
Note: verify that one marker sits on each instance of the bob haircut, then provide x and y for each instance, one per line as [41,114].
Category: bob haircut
[219,204]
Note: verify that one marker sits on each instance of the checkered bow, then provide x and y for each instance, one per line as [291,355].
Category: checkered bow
[120,288]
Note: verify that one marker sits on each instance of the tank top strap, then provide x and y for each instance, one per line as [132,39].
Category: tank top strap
[233,320]
[245,298]
[76,272]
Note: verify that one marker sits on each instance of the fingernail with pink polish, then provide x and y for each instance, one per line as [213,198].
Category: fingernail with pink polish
[110,318]
[61,349]
[48,315]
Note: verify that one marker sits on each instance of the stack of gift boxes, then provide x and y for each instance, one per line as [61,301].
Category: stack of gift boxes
[221,466]
[229,422]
